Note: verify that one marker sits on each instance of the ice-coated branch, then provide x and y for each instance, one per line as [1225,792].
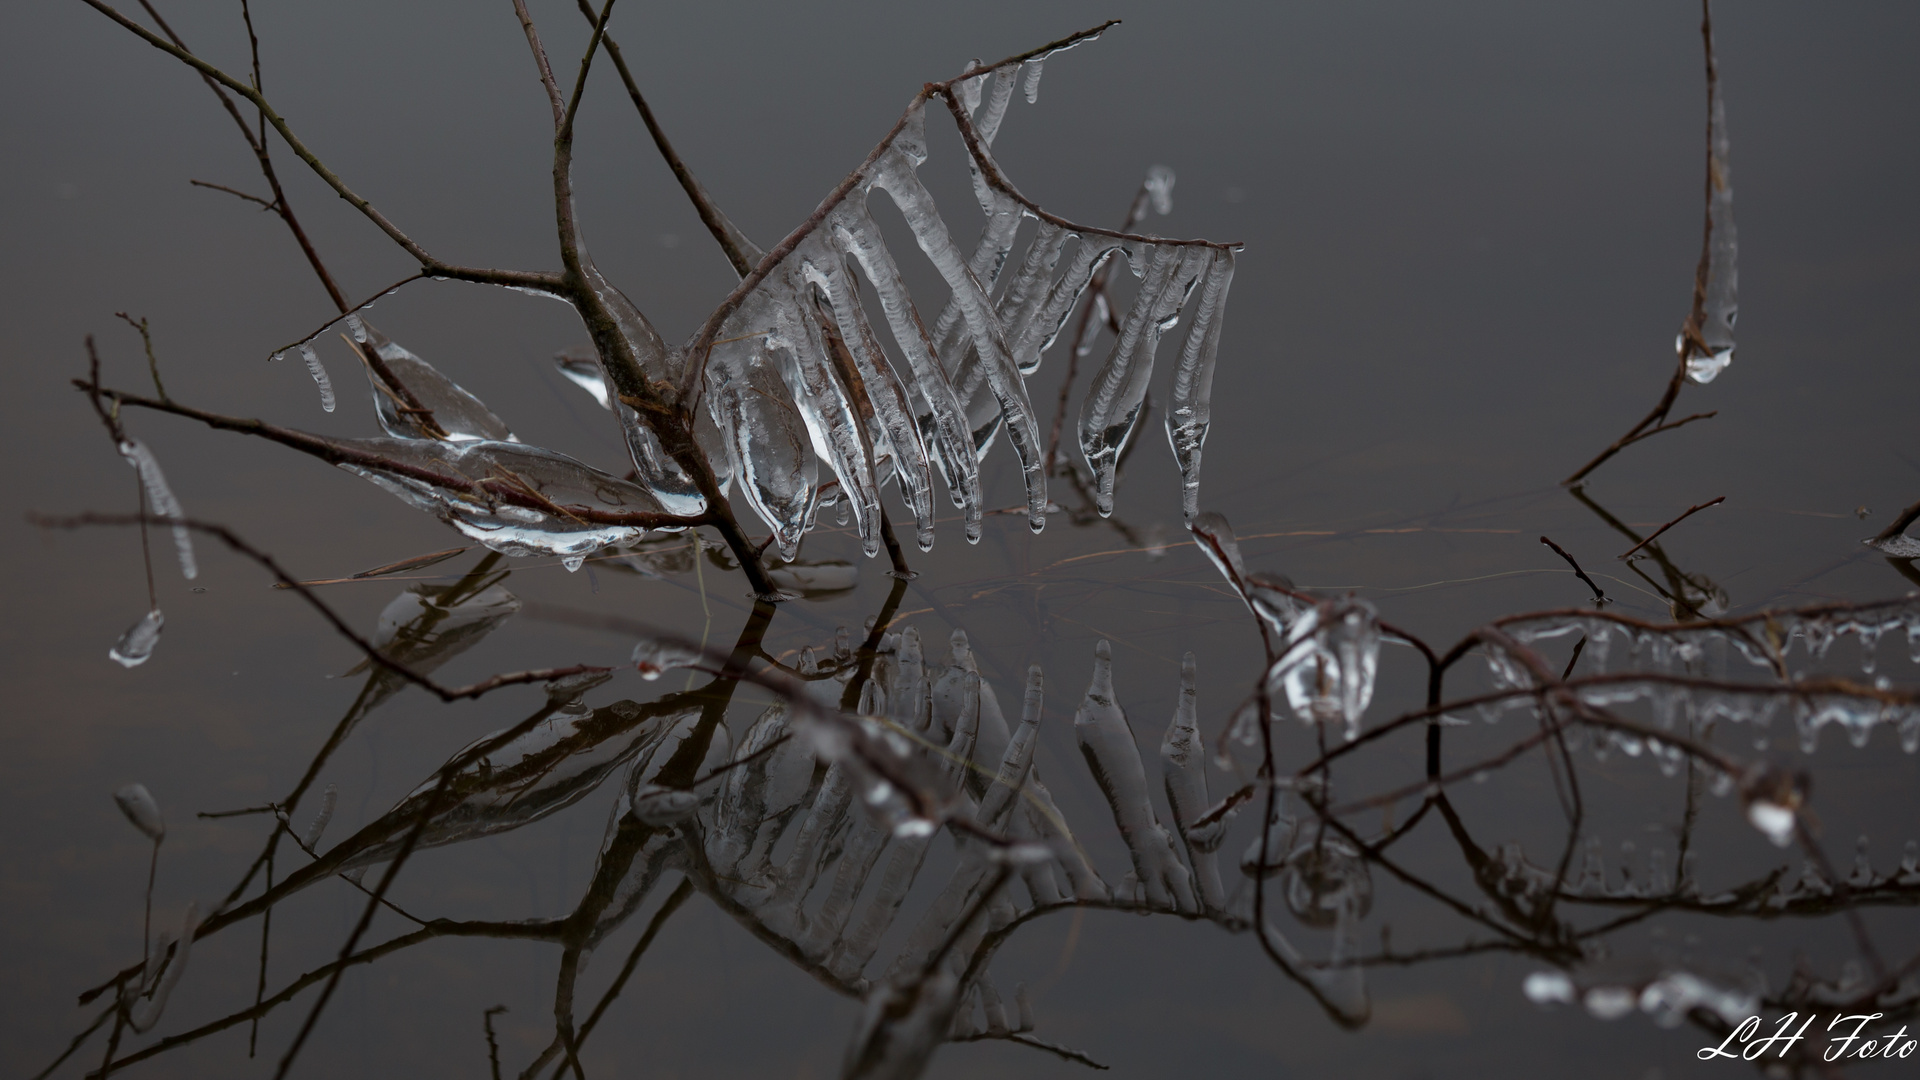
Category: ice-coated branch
[1705,343]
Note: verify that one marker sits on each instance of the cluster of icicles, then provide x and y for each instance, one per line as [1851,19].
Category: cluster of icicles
[818,841]
[777,403]
[1708,653]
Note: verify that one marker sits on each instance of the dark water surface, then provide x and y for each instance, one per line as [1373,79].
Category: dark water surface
[1471,231]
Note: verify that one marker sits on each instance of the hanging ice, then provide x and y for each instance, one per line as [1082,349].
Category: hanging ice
[512,498]
[1329,664]
[1706,342]
[319,373]
[136,645]
[161,503]
[457,414]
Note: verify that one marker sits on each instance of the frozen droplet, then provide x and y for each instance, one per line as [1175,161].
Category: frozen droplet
[1548,988]
[319,372]
[137,803]
[136,645]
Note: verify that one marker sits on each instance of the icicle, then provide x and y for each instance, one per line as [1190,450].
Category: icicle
[1184,773]
[1018,758]
[1719,284]
[319,827]
[994,1008]
[949,438]
[137,644]
[1106,739]
[1027,294]
[766,438]
[138,805]
[895,175]
[1189,413]
[1032,88]
[161,503]
[146,1014]
[987,124]
[1117,392]
[893,413]
[319,373]
[831,424]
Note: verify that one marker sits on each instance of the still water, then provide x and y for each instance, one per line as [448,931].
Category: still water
[1470,234]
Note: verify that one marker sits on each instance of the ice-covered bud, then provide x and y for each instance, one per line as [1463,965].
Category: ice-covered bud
[137,803]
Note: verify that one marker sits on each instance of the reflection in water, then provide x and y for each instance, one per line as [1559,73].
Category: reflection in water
[812,825]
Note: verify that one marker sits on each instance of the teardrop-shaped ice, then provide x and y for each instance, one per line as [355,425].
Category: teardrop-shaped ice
[136,645]
[137,803]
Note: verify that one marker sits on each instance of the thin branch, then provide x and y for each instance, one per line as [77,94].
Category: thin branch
[1599,597]
[1691,510]
[1899,524]
[740,251]
[237,193]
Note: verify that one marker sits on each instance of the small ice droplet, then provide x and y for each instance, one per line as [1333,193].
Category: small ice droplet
[573,562]
[357,328]
[319,373]
[1774,820]
[136,645]
[1548,987]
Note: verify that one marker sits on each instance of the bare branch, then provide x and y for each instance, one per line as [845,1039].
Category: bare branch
[539,282]
[235,192]
[1691,510]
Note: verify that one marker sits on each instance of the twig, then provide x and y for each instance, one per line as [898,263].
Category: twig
[740,251]
[1599,597]
[493,1045]
[146,341]
[237,193]
[1899,524]
[1691,510]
